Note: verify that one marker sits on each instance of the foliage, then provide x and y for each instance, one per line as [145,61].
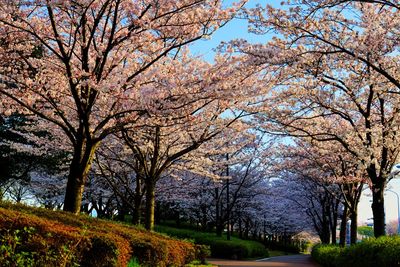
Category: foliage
[367,231]
[39,237]
[17,156]
[220,247]
[133,263]
[383,252]
[199,264]
[326,255]
[106,69]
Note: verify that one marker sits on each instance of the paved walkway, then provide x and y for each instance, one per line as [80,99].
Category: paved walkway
[281,261]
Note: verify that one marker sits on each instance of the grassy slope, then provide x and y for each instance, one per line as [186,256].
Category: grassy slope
[235,248]
[32,234]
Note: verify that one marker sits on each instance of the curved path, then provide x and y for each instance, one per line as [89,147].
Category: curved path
[281,261]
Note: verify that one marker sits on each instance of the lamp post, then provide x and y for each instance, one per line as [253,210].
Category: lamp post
[398,210]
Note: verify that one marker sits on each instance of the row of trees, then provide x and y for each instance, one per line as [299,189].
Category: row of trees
[111,90]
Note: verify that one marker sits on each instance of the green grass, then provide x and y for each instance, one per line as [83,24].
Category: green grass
[236,248]
[199,264]
[133,263]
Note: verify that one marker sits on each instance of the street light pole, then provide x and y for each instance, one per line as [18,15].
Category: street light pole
[398,210]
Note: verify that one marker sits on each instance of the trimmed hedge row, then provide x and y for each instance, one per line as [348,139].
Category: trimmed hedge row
[39,237]
[382,252]
[326,255]
[220,247]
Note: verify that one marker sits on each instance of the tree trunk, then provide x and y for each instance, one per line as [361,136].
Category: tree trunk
[343,228]
[353,227]
[218,227]
[137,200]
[122,212]
[333,233]
[73,194]
[335,208]
[78,172]
[240,228]
[246,229]
[325,230]
[150,204]
[136,211]
[378,209]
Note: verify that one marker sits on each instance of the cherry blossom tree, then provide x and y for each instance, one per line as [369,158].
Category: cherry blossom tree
[335,71]
[335,167]
[192,103]
[223,202]
[392,227]
[81,66]
[116,169]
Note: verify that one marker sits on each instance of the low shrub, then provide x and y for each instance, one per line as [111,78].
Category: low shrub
[202,252]
[220,247]
[382,252]
[38,237]
[326,255]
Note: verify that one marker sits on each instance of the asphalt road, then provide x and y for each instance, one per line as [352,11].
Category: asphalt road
[281,261]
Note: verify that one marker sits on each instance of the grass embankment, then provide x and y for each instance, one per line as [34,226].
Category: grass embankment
[39,237]
[382,252]
[236,248]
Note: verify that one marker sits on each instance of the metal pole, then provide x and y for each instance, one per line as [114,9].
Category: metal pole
[398,210]
[228,222]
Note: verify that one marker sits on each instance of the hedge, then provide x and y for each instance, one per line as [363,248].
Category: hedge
[382,252]
[39,237]
[220,247]
[326,255]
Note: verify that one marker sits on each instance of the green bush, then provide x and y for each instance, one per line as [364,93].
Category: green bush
[202,252]
[220,247]
[326,255]
[382,252]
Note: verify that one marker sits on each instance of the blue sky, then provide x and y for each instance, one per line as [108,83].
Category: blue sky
[235,29]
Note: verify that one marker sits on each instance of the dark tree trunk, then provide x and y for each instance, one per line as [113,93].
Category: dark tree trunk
[219,229]
[246,229]
[122,212]
[240,228]
[204,218]
[150,205]
[334,219]
[343,228]
[324,236]
[325,229]
[353,227]
[218,226]
[333,233]
[74,191]
[137,200]
[378,209]
[78,172]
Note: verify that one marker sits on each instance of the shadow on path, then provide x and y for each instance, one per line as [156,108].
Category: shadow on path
[281,261]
